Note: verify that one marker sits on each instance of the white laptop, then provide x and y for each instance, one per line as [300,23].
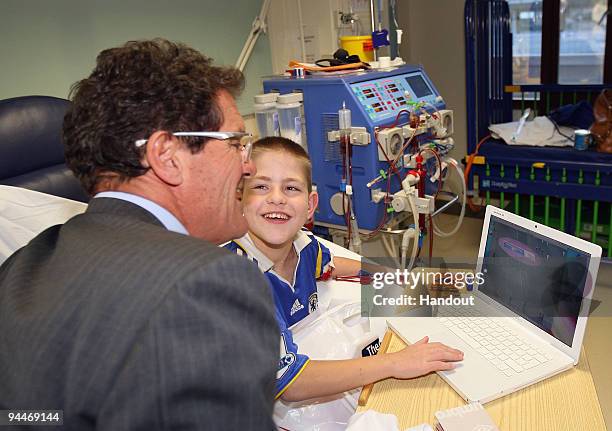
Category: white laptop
[530,312]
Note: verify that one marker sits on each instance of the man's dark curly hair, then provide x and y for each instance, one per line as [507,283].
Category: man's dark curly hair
[134,90]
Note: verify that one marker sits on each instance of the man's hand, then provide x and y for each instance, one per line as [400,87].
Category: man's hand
[422,358]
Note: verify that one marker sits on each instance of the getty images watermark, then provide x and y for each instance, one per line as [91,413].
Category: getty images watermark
[435,287]
[411,279]
[400,291]
[549,291]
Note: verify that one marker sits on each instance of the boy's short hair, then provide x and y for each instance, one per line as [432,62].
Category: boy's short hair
[278,143]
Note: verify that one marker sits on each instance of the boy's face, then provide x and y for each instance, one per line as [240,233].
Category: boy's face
[276,202]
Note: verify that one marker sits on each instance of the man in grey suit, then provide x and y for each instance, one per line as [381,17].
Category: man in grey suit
[129,317]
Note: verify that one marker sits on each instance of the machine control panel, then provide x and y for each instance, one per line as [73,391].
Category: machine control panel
[383,98]
[374,98]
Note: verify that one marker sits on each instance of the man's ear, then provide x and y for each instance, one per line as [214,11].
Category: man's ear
[313,201]
[161,156]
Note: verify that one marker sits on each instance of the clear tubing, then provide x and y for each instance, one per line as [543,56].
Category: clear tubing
[406,238]
[440,232]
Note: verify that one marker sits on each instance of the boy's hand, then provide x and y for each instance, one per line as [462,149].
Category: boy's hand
[422,358]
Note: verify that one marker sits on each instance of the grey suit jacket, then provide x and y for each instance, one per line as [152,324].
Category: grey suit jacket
[125,325]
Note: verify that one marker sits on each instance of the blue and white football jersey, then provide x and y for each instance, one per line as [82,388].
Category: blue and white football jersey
[293,301]
[290,362]
[315,261]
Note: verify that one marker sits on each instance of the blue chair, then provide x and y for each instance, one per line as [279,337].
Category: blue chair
[31,149]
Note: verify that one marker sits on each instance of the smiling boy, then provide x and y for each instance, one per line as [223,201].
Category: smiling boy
[277,202]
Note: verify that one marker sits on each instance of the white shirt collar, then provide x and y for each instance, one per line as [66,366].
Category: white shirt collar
[165,217]
[301,240]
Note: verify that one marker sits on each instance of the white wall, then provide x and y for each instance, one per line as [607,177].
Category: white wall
[322,26]
[49,44]
[434,37]
[284,32]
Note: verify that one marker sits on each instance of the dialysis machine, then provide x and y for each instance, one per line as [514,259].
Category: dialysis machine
[372,137]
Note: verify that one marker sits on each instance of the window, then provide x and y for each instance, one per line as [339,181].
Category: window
[526,29]
[581,41]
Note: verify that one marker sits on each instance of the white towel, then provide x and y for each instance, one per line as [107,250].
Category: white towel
[537,133]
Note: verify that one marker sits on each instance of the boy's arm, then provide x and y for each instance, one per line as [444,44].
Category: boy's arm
[322,378]
[348,267]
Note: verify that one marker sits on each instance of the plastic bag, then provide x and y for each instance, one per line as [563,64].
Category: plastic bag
[337,333]
[371,420]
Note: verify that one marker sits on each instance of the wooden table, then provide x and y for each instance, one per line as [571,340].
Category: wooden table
[567,401]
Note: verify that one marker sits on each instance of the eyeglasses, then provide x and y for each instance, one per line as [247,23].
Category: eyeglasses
[244,144]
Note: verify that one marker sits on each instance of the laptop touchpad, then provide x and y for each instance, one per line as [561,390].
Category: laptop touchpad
[475,376]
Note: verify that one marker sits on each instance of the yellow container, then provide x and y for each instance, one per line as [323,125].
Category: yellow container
[359,45]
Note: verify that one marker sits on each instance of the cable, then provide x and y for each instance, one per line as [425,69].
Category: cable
[384,218]
[346,205]
[431,238]
[392,170]
[404,147]
[396,121]
[435,153]
[389,245]
[388,191]
[439,231]
[361,279]
[468,167]
[397,118]
[433,106]
[406,238]
[393,15]
[558,130]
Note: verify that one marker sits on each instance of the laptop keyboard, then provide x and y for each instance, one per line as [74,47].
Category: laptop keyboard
[499,345]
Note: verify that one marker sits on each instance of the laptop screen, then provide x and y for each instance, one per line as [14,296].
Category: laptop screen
[536,277]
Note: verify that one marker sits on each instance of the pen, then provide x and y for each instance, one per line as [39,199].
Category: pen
[521,123]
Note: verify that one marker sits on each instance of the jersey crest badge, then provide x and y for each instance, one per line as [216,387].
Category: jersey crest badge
[313,302]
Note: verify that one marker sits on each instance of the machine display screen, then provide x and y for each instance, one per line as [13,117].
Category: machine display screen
[383,98]
[418,85]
